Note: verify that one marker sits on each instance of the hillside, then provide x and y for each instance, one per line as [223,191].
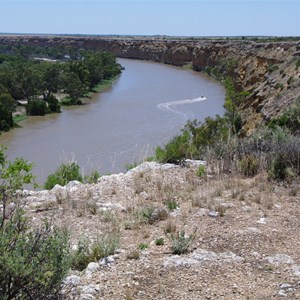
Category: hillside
[246,243]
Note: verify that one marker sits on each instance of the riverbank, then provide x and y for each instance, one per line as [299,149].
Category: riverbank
[102,86]
[119,126]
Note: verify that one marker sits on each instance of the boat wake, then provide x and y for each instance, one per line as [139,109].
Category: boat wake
[170,106]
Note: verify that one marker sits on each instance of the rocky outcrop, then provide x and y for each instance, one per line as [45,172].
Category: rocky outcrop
[266,71]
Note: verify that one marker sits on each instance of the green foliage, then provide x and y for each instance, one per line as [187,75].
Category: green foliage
[181,243]
[53,104]
[279,86]
[64,174]
[37,107]
[272,68]
[278,169]
[7,106]
[131,166]
[143,246]
[33,260]
[24,75]
[297,63]
[176,150]
[104,246]
[159,242]
[144,213]
[290,80]
[201,171]
[249,165]
[93,177]
[290,118]
[171,204]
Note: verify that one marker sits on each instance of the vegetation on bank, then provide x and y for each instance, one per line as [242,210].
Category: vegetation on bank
[68,172]
[274,148]
[36,74]
[35,259]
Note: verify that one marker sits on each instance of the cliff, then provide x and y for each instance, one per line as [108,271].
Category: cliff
[265,70]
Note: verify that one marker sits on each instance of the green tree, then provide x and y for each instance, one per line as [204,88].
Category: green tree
[33,260]
[7,106]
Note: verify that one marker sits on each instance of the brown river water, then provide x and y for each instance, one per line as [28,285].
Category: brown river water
[145,107]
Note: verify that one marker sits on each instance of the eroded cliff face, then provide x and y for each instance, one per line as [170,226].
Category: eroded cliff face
[267,71]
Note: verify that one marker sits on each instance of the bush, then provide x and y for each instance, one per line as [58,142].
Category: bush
[104,246]
[201,171]
[64,174]
[289,118]
[297,63]
[249,165]
[93,177]
[181,243]
[278,168]
[159,242]
[37,107]
[53,104]
[176,151]
[272,68]
[171,204]
[33,260]
[143,246]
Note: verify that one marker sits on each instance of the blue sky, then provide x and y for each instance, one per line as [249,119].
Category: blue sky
[145,17]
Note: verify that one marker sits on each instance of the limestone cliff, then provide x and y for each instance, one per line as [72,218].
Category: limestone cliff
[267,71]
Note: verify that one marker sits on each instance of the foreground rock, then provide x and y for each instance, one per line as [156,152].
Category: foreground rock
[234,255]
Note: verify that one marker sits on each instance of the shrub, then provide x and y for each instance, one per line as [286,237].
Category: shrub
[297,63]
[171,204]
[272,68]
[144,214]
[143,246]
[37,107]
[159,242]
[201,171]
[176,151]
[170,227]
[33,260]
[93,177]
[249,165]
[53,104]
[181,243]
[104,246]
[278,168]
[64,174]
[135,254]
[289,118]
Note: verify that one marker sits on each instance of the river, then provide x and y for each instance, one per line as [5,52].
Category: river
[145,107]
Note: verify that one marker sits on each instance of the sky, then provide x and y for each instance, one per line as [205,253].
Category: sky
[156,17]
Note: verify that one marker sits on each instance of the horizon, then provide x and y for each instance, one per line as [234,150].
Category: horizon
[202,18]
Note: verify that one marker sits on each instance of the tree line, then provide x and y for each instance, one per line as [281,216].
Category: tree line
[36,74]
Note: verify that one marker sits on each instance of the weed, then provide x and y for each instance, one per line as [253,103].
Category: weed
[143,246]
[221,209]
[181,243]
[249,165]
[135,254]
[159,242]
[103,247]
[170,227]
[171,204]
[201,171]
